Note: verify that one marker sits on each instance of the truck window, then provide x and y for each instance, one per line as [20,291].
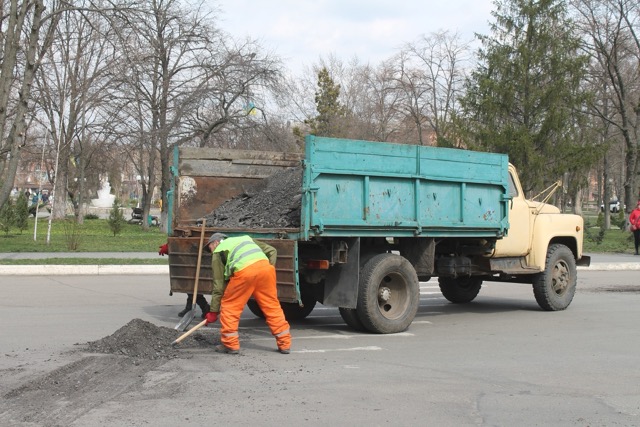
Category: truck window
[513,190]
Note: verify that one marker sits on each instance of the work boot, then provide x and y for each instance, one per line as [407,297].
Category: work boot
[221,348]
[203,304]
[284,350]
[188,307]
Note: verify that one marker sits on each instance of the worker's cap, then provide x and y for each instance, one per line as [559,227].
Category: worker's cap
[216,237]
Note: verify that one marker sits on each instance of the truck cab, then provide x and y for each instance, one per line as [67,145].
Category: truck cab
[534,226]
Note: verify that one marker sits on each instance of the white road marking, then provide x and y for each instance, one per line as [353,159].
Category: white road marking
[339,336]
[369,348]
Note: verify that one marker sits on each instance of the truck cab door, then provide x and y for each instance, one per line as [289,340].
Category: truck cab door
[517,241]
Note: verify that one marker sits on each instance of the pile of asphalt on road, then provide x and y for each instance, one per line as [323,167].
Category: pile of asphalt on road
[143,340]
[272,203]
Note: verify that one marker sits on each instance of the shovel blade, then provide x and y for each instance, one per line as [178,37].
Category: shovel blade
[186,319]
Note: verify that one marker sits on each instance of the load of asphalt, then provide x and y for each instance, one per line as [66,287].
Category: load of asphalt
[274,202]
[143,340]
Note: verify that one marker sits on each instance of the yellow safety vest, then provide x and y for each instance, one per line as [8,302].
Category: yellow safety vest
[242,252]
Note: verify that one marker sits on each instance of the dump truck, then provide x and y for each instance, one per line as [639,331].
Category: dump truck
[375,219]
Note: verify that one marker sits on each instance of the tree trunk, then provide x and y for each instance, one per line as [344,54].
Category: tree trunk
[16,135]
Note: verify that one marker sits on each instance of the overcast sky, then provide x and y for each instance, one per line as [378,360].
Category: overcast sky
[301,31]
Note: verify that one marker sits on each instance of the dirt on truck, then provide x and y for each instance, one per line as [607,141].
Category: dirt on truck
[357,224]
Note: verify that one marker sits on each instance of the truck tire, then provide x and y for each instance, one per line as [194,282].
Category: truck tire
[555,287]
[460,290]
[350,317]
[255,308]
[292,311]
[388,294]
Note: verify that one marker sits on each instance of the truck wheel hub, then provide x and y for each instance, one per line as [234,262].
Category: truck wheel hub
[384,294]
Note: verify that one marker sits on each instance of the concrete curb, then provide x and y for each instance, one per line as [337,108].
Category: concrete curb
[82,270]
[603,266]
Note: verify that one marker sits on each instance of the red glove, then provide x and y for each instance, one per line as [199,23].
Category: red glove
[164,250]
[211,317]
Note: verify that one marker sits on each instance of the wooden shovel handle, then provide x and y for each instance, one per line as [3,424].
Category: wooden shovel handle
[189,332]
[195,286]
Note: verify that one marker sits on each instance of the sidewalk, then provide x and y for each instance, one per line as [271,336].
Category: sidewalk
[599,262]
[88,270]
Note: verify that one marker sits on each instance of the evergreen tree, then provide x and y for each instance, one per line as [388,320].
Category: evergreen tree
[21,212]
[330,111]
[525,97]
[116,219]
[7,216]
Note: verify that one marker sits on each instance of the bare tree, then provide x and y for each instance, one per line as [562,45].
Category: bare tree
[443,57]
[611,31]
[26,32]
[182,81]
[70,90]
[414,87]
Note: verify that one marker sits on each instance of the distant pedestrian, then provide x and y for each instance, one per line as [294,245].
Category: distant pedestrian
[634,222]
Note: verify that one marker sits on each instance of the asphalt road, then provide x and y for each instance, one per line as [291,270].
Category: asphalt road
[498,361]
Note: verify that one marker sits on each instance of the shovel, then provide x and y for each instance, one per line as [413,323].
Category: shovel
[189,332]
[188,317]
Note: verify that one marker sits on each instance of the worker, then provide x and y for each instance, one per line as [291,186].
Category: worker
[201,301]
[243,267]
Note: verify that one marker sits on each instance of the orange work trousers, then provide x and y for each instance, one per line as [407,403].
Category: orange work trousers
[257,279]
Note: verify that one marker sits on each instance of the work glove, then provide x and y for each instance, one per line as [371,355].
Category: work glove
[164,250]
[211,317]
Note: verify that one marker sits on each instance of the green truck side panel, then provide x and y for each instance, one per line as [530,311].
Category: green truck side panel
[367,188]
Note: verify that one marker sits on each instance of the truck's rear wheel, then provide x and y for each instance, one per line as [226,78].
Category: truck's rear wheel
[555,287]
[292,311]
[255,308]
[388,294]
[459,290]
[350,317]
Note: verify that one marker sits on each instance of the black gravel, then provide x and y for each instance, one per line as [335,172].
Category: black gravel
[144,340]
[272,203]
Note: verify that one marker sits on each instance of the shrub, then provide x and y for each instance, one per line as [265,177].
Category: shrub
[21,213]
[600,220]
[7,216]
[116,219]
[619,220]
[72,234]
[91,216]
[595,238]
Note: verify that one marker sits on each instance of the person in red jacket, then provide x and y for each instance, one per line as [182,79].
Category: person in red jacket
[634,223]
[201,301]
[243,267]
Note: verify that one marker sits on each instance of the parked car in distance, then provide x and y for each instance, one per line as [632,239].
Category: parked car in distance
[614,206]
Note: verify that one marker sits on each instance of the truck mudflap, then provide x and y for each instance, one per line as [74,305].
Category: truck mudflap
[585,261]
[183,256]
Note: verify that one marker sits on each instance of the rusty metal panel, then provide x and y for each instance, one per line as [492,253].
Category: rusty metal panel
[183,257]
[208,177]
[199,196]
[286,269]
